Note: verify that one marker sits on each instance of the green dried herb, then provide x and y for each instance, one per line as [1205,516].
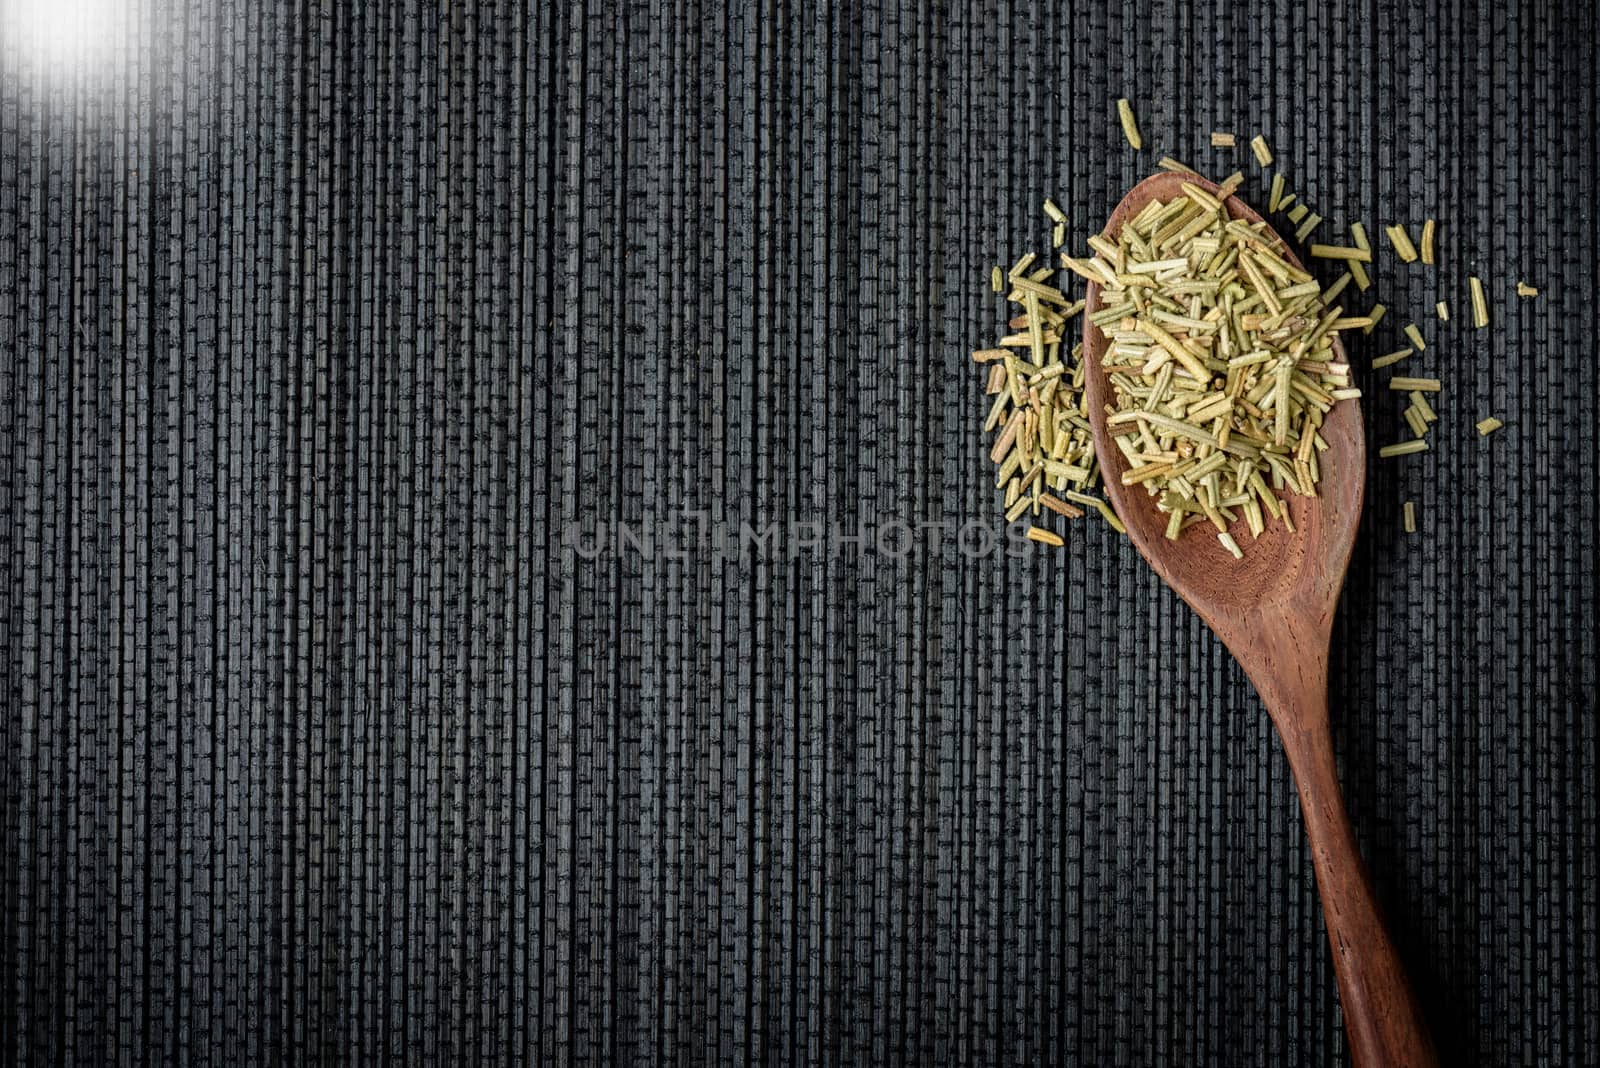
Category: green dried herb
[1419,425]
[1480,307]
[1220,362]
[1100,506]
[1312,222]
[1358,271]
[1401,242]
[1130,126]
[1045,537]
[1423,385]
[1393,357]
[1341,252]
[1039,408]
[1060,507]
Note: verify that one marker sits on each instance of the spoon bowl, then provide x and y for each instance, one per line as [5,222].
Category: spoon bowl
[1274,609]
[1307,563]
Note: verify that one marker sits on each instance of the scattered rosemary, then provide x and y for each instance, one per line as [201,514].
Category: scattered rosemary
[1401,242]
[1100,506]
[1130,125]
[1525,290]
[1405,385]
[1219,356]
[1358,271]
[1039,415]
[1341,252]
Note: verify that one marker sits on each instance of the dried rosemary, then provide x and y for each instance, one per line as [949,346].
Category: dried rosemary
[1220,359]
[1401,242]
[1130,126]
[1042,446]
[1480,307]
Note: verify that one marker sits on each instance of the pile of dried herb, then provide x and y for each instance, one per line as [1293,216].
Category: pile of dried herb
[1043,450]
[1220,361]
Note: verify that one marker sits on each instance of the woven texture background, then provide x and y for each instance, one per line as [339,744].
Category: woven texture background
[321,326]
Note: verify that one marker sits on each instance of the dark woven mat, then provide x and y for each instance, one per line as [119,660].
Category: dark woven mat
[321,328]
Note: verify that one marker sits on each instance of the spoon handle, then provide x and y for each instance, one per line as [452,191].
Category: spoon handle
[1384,1026]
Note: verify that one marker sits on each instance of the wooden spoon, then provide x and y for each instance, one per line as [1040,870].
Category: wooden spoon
[1274,611]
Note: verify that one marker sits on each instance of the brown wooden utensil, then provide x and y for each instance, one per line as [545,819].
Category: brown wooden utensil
[1274,611]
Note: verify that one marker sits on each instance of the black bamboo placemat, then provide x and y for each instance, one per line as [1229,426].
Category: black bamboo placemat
[377,382]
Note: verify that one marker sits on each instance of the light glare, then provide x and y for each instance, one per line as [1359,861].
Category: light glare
[61,31]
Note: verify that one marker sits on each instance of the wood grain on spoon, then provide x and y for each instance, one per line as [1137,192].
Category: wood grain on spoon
[1274,611]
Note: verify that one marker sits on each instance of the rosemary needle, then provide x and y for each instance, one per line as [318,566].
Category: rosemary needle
[1130,126]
